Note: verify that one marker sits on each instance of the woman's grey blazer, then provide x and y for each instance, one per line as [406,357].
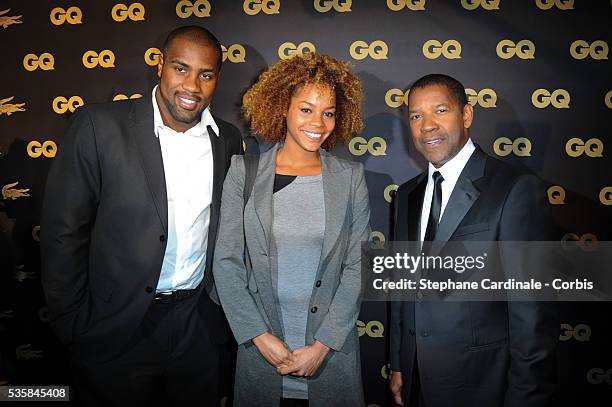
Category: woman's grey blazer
[247,295]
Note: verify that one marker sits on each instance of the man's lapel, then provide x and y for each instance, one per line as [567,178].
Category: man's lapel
[140,128]
[462,198]
[219,157]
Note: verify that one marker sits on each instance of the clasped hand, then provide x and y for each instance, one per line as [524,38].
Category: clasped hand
[304,361]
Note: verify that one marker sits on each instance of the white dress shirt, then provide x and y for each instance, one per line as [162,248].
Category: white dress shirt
[188,168]
[450,172]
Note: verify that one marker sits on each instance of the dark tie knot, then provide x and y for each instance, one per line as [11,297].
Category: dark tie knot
[437,177]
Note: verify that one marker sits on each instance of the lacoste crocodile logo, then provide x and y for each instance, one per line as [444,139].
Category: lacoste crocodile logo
[8,193]
[10,108]
[5,21]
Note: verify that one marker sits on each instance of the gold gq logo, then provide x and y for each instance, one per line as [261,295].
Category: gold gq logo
[542,98]
[252,7]
[151,56]
[199,8]
[581,333]
[62,105]
[36,233]
[581,49]
[121,96]
[43,314]
[374,329]
[399,5]
[485,4]
[556,195]
[586,242]
[486,98]
[341,6]
[396,97]
[289,49]
[524,49]
[377,239]
[451,49]
[47,149]
[521,147]
[389,192]
[608,99]
[560,4]
[72,15]
[598,376]
[605,196]
[575,147]
[135,12]
[378,49]
[106,59]
[385,371]
[235,53]
[45,61]
[376,146]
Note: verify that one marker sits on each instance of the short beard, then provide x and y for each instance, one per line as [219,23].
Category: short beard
[178,115]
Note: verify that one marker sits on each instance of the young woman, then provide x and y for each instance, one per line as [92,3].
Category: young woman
[293,303]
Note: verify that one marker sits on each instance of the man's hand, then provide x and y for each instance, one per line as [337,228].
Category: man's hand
[273,350]
[396,387]
[306,360]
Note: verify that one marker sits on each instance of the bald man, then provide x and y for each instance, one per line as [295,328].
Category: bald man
[129,222]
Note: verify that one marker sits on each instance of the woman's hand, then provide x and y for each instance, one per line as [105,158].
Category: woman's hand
[273,350]
[306,360]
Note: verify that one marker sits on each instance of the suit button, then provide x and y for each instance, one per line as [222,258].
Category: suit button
[411,331]
[419,295]
[149,289]
[318,283]
[424,334]
[313,310]
[162,238]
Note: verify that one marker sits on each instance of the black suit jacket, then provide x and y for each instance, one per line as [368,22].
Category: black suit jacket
[104,226]
[477,353]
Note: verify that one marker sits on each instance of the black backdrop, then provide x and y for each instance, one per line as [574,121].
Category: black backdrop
[537,71]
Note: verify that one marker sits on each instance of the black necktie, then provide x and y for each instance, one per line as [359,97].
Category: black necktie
[436,206]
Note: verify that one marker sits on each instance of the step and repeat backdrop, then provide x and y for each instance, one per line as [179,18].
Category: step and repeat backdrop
[536,71]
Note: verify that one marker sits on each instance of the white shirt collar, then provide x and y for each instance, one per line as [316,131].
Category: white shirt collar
[452,169]
[206,119]
[451,172]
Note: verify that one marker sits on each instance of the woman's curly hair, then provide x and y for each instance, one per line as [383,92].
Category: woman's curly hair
[264,103]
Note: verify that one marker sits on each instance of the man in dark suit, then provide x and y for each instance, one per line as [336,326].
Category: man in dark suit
[128,229]
[467,353]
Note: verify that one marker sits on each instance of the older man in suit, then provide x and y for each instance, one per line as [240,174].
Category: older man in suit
[129,223]
[467,353]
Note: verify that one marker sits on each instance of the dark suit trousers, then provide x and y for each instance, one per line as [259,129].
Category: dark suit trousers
[415,398]
[170,360]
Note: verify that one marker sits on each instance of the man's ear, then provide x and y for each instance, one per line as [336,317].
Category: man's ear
[468,115]
[160,65]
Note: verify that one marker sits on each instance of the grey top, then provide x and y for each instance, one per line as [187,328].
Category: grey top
[297,229]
